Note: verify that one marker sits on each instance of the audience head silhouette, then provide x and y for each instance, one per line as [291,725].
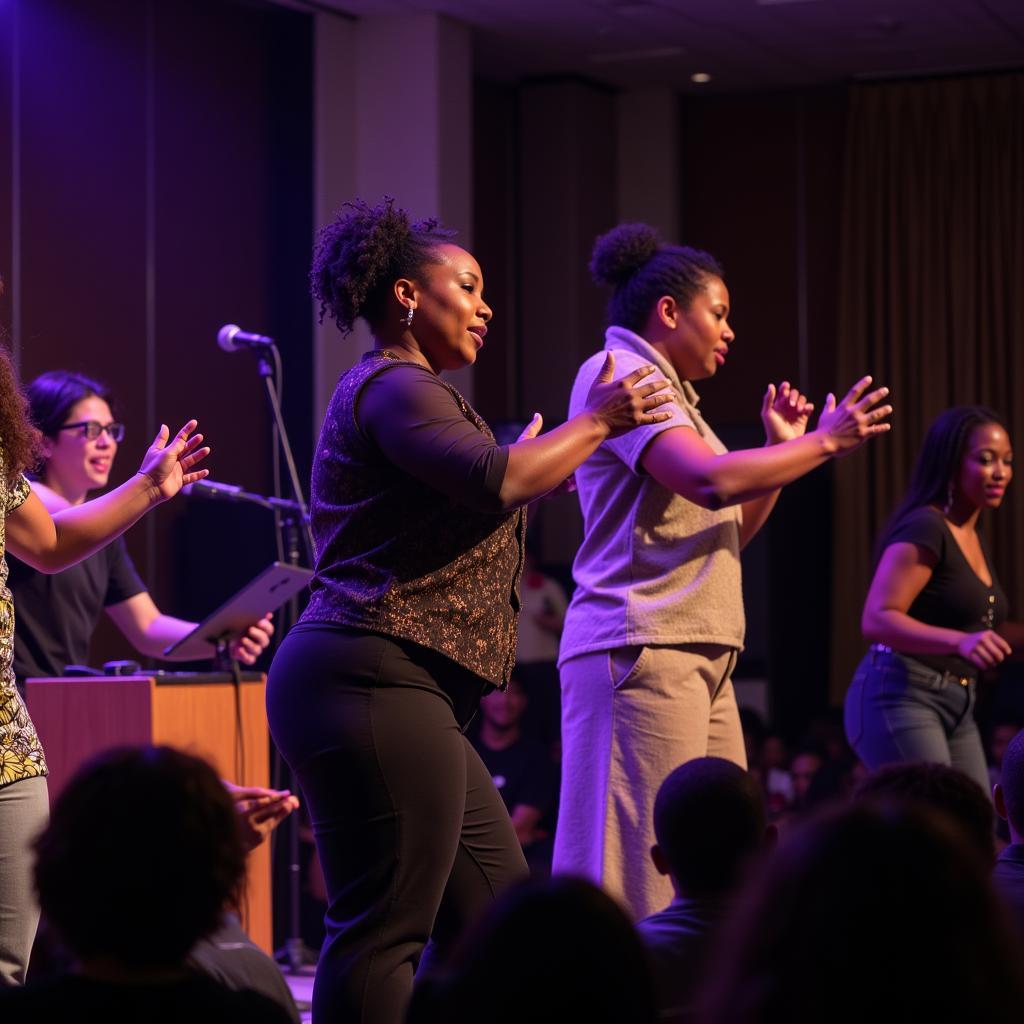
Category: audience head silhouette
[140,856]
[1009,793]
[846,921]
[943,789]
[709,820]
[548,951]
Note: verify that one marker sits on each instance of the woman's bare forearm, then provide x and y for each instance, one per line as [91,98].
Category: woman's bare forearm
[539,464]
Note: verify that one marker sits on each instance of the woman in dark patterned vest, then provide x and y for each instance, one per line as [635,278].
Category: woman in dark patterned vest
[418,520]
[50,544]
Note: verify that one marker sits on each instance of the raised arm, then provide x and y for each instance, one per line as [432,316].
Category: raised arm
[538,464]
[415,422]
[51,543]
[681,461]
[785,413]
[903,571]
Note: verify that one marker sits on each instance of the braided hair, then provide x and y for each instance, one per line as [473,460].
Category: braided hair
[640,269]
[362,252]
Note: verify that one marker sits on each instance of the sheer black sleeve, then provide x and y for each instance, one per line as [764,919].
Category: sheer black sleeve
[416,422]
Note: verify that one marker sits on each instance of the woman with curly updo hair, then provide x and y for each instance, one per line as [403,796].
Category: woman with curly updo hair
[656,622]
[50,544]
[418,518]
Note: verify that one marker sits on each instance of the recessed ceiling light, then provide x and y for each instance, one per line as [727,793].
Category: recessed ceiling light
[700,77]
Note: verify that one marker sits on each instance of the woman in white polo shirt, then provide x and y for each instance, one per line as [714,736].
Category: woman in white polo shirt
[656,622]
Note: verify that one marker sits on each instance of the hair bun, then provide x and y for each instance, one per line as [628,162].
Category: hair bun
[621,252]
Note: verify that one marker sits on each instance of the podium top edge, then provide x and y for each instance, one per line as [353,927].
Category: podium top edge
[161,679]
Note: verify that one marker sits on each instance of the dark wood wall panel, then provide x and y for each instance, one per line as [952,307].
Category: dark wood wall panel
[166,188]
[739,169]
[567,198]
[83,192]
[496,375]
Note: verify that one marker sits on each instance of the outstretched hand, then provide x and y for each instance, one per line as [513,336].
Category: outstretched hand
[785,413]
[259,810]
[626,403]
[532,429]
[856,419]
[171,466]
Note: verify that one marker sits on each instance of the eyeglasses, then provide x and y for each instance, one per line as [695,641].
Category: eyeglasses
[91,429]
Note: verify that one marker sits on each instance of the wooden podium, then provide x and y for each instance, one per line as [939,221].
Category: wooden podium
[202,714]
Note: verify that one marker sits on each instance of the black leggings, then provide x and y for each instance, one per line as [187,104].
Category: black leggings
[413,838]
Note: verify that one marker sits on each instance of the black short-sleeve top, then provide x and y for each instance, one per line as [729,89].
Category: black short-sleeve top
[954,597]
[58,612]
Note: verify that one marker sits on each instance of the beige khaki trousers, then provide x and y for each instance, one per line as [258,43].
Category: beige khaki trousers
[629,717]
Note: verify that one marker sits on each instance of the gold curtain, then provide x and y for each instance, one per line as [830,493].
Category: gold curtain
[931,303]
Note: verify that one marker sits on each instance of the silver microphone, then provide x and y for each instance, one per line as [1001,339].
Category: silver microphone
[231,338]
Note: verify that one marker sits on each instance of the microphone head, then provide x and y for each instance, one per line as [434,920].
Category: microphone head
[226,337]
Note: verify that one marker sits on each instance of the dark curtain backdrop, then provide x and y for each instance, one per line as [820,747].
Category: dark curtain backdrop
[931,301]
[156,182]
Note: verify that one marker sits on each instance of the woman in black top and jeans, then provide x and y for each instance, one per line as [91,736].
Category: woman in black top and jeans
[935,612]
[418,521]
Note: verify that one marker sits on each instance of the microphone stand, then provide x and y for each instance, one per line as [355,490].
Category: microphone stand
[293,518]
[267,373]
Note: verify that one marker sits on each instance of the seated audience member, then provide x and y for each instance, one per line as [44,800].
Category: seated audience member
[522,771]
[141,855]
[549,951]
[818,778]
[1009,800]
[777,778]
[709,821]
[767,758]
[228,954]
[804,769]
[941,788]
[999,737]
[867,912]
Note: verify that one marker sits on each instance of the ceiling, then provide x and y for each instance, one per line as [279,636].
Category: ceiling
[741,44]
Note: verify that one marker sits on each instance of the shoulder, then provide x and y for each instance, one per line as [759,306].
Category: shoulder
[410,385]
[626,361]
[924,526]
[50,498]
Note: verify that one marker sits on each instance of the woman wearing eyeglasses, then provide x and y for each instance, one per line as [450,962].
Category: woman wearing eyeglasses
[58,614]
[51,544]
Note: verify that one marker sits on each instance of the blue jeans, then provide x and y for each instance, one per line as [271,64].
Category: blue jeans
[900,710]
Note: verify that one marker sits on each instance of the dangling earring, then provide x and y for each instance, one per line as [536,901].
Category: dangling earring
[408,316]
[948,507]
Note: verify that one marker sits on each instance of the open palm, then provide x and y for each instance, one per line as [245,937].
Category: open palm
[785,413]
[170,466]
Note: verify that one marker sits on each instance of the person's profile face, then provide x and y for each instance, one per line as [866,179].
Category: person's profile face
[986,468]
[75,464]
[504,708]
[451,317]
[700,343]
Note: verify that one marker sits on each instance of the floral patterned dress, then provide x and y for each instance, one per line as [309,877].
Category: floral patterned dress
[21,754]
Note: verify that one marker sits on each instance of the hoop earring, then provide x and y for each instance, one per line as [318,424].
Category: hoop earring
[407,319]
